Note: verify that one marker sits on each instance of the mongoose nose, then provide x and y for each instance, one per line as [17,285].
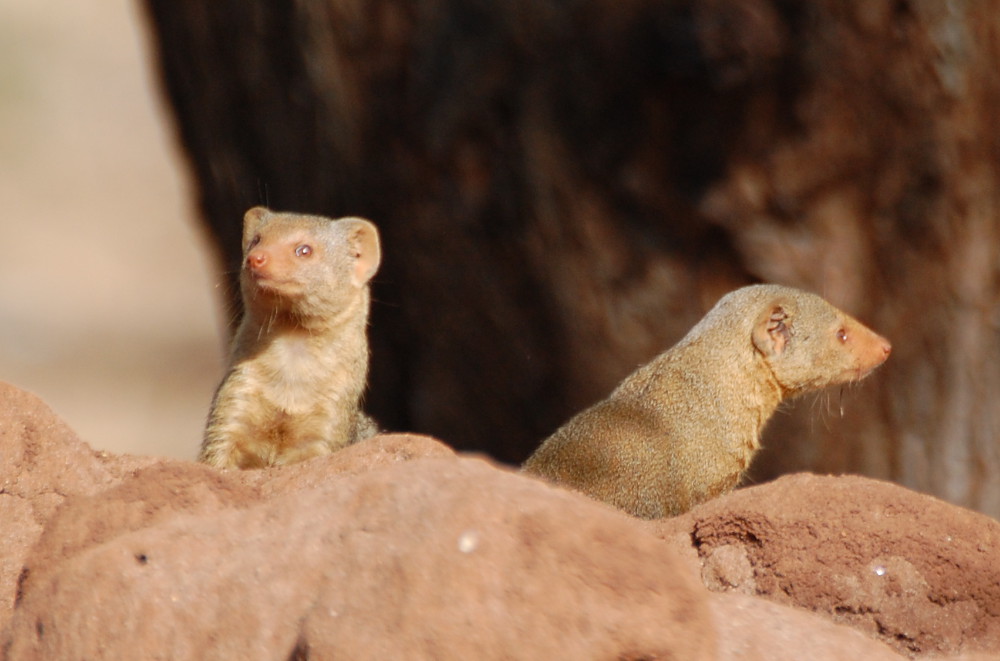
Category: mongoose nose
[886,347]
[256,259]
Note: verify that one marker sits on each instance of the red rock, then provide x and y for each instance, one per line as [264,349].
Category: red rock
[433,558]
[168,488]
[916,572]
[377,452]
[42,462]
[397,548]
[752,629]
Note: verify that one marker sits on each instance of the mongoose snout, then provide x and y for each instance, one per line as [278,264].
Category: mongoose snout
[684,427]
[872,349]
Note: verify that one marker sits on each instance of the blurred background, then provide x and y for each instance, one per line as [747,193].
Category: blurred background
[108,305]
[563,189]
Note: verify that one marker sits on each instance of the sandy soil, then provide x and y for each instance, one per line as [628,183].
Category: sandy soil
[107,303]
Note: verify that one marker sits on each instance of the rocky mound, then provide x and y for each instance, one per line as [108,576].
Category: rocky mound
[398,548]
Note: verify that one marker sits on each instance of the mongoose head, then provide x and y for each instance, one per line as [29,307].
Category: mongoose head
[303,266]
[809,344]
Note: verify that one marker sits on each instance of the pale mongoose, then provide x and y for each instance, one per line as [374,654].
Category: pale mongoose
[683,428]
[299,359]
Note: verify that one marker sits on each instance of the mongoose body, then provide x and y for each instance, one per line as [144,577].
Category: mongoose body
[683,428]
[299,359]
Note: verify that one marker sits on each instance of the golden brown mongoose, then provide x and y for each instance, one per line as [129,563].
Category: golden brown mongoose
[683,428]
[299,359]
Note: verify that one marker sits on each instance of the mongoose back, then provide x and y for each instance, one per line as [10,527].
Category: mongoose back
[299,359]
[683,428]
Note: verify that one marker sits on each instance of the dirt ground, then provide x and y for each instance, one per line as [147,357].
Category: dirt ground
[107,304]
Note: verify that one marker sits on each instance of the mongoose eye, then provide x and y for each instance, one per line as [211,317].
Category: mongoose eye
[842,335]
[303,250]
[253,242]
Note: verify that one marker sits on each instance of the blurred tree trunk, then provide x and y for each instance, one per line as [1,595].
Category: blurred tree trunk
[564,188]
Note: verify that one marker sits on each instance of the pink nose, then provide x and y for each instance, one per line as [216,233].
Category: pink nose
[256,260]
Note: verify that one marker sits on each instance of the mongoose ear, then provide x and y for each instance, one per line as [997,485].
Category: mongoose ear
[772,331]
[252,221]
[363,242]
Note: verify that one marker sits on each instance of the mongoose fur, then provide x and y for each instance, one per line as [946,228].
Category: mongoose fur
[683,428]
[299,359]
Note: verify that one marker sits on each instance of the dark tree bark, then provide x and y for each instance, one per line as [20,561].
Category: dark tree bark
[564,188]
